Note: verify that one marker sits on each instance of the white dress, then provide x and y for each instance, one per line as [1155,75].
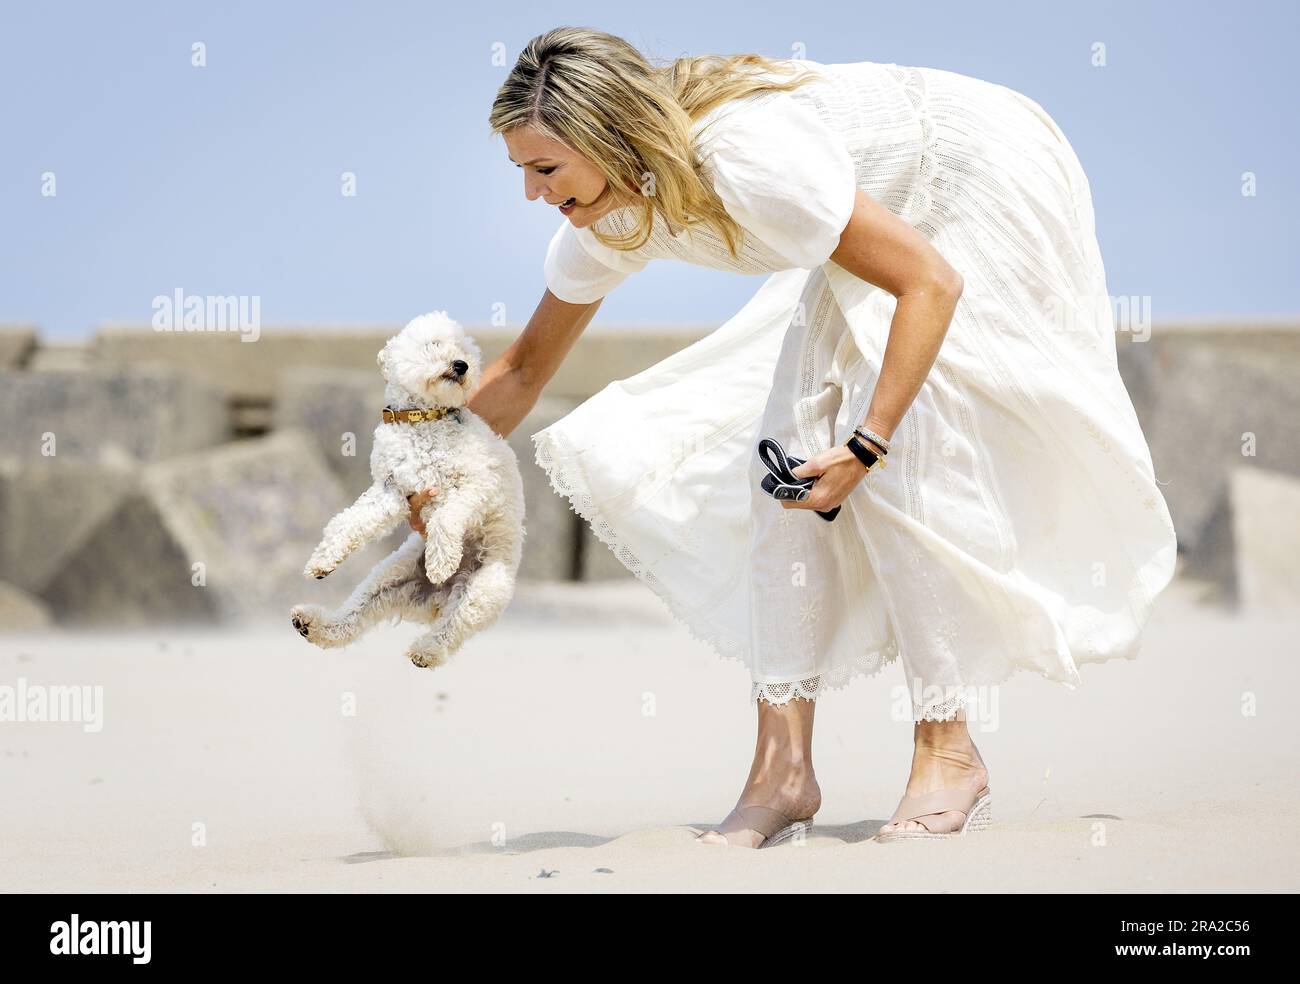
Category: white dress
[1017,525]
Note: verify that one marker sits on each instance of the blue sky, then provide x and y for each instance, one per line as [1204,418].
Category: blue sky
[226,179]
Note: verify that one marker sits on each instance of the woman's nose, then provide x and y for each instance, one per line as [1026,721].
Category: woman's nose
[533,189]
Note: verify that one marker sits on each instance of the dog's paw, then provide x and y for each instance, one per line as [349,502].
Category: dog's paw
[316,569]
[440,566]
[426,659]
[308,619]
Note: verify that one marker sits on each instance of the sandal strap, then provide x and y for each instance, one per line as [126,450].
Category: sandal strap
[762,820]
[938,801]
[780,464]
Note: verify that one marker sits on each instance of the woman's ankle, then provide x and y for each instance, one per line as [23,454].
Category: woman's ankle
[942,736]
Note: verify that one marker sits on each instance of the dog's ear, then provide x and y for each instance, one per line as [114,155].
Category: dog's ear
[382,359]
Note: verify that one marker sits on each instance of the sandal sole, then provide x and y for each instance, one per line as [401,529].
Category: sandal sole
[785,833]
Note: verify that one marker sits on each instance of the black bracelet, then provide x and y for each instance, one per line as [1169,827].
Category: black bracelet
[863,453]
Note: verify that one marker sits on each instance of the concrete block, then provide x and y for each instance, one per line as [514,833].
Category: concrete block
[1266,539]
[340,409]
[149,412]
[218,535]
[17,343]
[248,371]
[48,506]
[243,371]
[1216,403]
[60,355]
[553,529]
[20,611]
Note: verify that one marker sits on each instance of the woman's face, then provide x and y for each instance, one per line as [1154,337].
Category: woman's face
[556,173]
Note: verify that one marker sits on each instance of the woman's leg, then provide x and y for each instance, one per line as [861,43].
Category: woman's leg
[943,757]
[781,777]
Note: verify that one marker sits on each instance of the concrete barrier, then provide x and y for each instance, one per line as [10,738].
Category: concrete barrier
[20,611]
[553,530]
[249,370]
[17,343]
[49,506]
[1217,401]
[1198,389]
[217,535]
[339,408]
[1265,539]
[149,412]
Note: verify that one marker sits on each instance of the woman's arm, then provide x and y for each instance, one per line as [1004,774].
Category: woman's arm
[883,250]
[512,383]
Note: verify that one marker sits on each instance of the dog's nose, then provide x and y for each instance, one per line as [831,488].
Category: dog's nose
[461,367]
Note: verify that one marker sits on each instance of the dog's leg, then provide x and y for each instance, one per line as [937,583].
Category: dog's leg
[377,511]
[446,525]
[383,593]
[479,598]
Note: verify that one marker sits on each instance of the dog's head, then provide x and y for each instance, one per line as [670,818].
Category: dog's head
[433,360]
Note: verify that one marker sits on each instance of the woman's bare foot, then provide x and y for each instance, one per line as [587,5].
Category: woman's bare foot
[781,777]
[944,757]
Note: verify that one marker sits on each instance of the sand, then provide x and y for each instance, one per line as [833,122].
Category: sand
[579,744]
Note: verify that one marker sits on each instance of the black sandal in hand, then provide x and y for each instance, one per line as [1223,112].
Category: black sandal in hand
[783,483]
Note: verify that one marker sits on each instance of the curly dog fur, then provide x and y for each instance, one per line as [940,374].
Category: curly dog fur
[459,579]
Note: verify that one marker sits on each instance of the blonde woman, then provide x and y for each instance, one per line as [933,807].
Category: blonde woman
[933,336]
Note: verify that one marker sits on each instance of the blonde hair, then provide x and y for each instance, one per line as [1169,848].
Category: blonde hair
[597,94]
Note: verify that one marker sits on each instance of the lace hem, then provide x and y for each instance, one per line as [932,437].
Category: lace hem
[869,664]
[864,664]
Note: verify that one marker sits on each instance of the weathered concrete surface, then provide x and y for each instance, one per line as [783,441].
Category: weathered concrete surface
[149,412]
[49,506]
[1197,387]
[1266,539]
[17,343]
[1217,402]
[217,535]
[249,370]
[21,611]
[243,370]
[553,529]
[339,408]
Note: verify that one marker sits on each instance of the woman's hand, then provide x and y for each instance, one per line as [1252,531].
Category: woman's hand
[417,501]
[838,473]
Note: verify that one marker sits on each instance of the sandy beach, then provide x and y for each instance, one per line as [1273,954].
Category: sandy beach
[579,744]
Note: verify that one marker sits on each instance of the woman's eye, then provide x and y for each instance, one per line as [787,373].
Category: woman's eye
[545,170]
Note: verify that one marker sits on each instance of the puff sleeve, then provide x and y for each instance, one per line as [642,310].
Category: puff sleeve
[580,269]
[785,176]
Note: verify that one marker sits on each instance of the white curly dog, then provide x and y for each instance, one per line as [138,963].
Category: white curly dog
[463,577]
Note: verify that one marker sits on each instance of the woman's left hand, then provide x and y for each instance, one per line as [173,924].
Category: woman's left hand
[838,472]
